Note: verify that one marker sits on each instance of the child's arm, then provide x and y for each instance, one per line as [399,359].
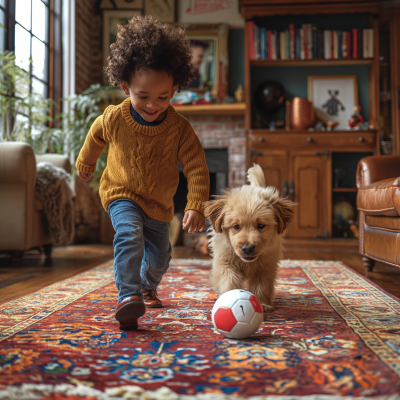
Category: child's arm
[95,143]
[191,156]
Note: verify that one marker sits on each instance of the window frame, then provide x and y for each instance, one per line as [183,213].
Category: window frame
[54,64]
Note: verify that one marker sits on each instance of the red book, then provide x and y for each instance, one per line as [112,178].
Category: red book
[270,52]
[251,39]
[355,43]
[349,53]
[292,41]
[305,30]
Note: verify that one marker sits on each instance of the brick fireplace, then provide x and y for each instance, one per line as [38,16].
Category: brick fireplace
[224,131]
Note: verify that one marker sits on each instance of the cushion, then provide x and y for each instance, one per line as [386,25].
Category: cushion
[383,222]
[380,198]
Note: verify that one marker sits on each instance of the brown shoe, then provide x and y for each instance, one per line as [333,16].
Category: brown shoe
[151,299]
[128,312]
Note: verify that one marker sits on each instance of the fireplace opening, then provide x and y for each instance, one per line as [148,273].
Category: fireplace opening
[218,168]
[217,162]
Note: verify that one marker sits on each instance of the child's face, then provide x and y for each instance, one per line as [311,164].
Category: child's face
[150,92]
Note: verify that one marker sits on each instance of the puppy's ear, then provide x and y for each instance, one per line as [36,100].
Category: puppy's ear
[215,211]
[284,211]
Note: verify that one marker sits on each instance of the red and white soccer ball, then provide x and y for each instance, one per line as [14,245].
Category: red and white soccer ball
[237,314]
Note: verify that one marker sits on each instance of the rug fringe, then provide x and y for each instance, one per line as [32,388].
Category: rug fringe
[30,391]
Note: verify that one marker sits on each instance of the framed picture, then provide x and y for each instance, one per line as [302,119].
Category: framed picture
[333,97]
[111,18]
[162,10]
[121,4]
[210,12]
[210,57]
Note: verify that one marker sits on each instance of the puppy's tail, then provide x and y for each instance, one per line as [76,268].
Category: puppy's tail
[256,177]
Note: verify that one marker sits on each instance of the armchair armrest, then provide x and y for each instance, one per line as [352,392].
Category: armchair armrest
[58,160]
[376,168]
[17,194]
[17,163]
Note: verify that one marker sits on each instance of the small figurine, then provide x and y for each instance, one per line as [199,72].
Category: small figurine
[365,126]
[272,126]
[239,94]
[356,118]
[330,125]
[319,126]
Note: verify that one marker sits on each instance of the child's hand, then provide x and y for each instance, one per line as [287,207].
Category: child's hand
[193,220]
[85,177]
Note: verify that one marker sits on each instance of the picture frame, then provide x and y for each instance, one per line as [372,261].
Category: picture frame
[210,12]
[162,10]
[121,4]
[214,70]
[334,97]
[111,18]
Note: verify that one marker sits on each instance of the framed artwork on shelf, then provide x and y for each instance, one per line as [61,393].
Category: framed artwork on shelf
[162,10]
[210,12]
[111,18]
[333,97]
[210,57]
[121,4]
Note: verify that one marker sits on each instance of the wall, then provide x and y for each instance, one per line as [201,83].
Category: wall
[88,54]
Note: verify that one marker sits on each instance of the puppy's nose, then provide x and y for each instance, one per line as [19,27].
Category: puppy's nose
[247,249]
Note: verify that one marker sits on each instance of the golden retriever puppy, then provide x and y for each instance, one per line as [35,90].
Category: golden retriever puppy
[246,237]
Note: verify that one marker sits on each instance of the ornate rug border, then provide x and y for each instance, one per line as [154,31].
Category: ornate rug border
[37,391]
[41,314]
[386,355]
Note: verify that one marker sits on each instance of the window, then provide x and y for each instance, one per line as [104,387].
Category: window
[2,25]
[31,42]
[33,32]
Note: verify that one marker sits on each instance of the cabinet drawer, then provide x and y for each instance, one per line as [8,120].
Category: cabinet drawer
[314,139]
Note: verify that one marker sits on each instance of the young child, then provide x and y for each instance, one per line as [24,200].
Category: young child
[146,139]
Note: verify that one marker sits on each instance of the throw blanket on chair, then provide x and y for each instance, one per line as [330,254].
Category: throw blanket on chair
[53,189]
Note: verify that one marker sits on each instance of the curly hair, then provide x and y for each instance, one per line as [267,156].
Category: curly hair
[145,43]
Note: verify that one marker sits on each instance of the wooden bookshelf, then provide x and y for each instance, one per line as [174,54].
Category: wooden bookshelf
[300,163]
[310,63]
[211,109]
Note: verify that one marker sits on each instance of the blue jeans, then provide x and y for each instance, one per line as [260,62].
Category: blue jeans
[142,250]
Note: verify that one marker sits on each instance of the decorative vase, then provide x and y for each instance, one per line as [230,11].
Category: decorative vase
[301,113]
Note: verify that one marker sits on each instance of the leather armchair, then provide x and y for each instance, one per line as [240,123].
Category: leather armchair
[22,223]
[378,200]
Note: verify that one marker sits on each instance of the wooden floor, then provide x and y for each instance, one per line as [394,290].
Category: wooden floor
[35,273]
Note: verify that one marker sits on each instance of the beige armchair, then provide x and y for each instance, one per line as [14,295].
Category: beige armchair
[22,223]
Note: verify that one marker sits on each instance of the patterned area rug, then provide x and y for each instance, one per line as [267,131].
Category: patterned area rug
[333,334]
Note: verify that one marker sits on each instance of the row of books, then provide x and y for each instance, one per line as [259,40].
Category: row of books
[309,43]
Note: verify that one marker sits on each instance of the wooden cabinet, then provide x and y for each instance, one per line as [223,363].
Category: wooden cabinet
[276,168]
[302,170]
[308,182]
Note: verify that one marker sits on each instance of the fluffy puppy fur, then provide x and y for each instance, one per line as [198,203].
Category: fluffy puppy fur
[246,237]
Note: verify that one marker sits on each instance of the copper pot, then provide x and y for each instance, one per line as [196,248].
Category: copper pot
[301,113]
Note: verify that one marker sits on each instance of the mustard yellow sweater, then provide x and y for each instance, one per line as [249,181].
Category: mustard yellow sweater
[142,163]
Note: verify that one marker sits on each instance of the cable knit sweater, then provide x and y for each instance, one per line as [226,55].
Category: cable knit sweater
[142,163]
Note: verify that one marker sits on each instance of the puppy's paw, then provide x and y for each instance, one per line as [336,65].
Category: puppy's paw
[267,308]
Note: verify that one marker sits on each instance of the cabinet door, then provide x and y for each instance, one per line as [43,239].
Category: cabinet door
[275,165]
[310,181]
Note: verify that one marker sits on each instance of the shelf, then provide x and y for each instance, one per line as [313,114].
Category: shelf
[214,109]
[309,63]
[344,190]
